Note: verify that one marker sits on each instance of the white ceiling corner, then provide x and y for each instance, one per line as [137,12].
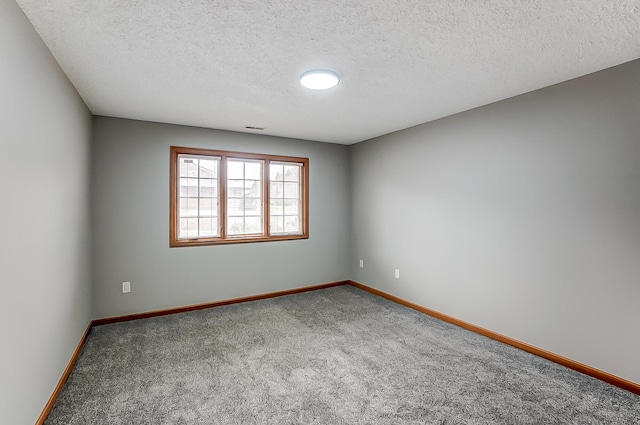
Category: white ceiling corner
[232,63]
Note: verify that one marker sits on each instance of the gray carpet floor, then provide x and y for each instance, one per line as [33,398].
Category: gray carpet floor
[333,356]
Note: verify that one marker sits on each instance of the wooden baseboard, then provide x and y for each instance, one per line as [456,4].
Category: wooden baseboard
[155,313]
[65,375]
[572,364]
[47,409]
[587,370]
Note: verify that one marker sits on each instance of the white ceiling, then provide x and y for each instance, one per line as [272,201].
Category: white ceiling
[228,64]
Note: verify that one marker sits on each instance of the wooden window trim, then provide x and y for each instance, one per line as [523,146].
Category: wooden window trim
[223,239]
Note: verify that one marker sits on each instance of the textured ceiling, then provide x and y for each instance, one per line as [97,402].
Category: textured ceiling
[233,63]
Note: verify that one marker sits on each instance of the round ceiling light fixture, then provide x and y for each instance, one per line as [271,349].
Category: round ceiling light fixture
[319,79]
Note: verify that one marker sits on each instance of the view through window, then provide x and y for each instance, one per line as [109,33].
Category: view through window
[232,197]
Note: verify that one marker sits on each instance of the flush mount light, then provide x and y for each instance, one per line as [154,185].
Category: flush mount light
[319,79]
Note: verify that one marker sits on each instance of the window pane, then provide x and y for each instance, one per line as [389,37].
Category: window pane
[291,190]
[292,173]
[252,225]
[188,207]
[253,188]
[291,207]
[235,207]
[208,168]
[188,187]
[277,190]
[277,224]
[188,167]
[183,206]
[253,170]
[252,206]
[244,197]
[208,227]
[208,207]
[235,169]
[291,224]
[208,188]
[276,172]
[276,207]
[235,188]
[235,225]
[285,198]
[198,192]
[188,228]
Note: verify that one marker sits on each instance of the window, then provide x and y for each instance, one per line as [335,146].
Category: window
[220,197]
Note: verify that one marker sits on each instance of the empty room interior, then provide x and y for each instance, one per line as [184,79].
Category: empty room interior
[448,233]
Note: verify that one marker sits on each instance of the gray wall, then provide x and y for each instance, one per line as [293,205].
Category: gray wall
[44,220]
[522,217]
[131,222]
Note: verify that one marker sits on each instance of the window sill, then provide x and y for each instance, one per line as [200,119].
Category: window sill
[231,240]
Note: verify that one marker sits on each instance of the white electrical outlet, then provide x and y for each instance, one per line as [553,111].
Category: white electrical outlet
[397,273]
[362,264]
[126,287]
